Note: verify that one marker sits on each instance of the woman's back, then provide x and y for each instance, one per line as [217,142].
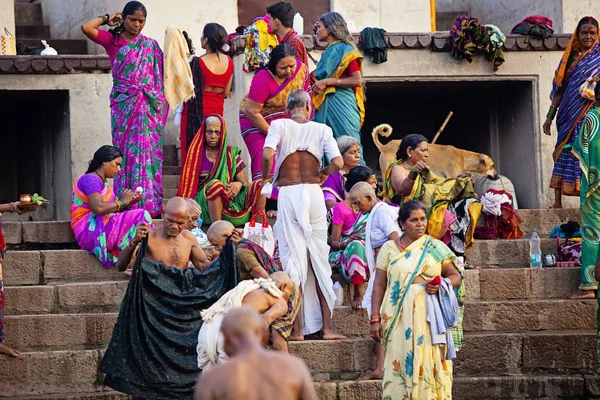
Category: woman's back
[216,72]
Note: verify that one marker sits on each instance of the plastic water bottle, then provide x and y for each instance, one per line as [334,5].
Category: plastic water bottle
[535,250]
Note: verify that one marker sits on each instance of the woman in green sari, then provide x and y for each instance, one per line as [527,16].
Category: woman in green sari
[213,174]
[338,94]
[587,150]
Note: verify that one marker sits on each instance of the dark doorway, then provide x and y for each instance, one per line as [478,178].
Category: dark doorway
[491,117]
[36,150]
[310,10]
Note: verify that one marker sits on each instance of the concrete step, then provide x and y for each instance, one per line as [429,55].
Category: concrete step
[32,31]
[170,182]
[171,170]
[170,155]
[545,220]
[169,193]
[62,46]
[505,253]
[104,395]
[28,14]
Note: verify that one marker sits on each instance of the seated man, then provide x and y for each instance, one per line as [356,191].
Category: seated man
[267,296]
[152,353]
[250,370]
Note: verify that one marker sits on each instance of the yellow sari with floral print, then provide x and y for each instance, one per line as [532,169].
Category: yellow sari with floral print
[414,368]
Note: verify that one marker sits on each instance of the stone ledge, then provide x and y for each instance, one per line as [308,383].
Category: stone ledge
[67,64]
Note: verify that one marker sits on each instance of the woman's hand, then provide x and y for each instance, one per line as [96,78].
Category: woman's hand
[129,197]
[376,331]
[468,174]
[234,188]
[319,86]
[421,166]
[115,19]
[431,289]
[548,126]
[237,236]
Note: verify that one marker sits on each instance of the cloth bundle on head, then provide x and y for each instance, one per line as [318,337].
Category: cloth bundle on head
[374,44]
[178,79]
[468,38]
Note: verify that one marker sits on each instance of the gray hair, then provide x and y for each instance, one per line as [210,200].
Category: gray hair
[212,119]
[298,98]
[345,143]
[337,27]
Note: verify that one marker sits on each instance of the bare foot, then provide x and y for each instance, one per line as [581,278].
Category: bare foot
[357,303]
[128,272]
[375,374]
[296,338]
[582,294]
[555,205]
[330,335]
[7,350]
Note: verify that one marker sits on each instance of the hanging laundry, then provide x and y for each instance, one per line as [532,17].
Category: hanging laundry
[259,43]
[374,44]
[534,26]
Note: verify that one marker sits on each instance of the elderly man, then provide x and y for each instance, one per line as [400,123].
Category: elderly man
[301,227]
[152,353]
[249,373]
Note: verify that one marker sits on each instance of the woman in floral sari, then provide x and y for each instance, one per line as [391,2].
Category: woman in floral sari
[338,94]
[213,174]
[580,61]
[138,107]
[415,367]
[267,99]
[103,224]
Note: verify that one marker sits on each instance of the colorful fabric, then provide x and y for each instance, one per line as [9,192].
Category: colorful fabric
[342,109]
[536,26]
[333,187]
[138,113]
[2,250]
[468,38]
[157,360]
[293,39]
[414,367]
[192,116]
[178,79]
[274,108]
[104,236]
[237,210]
[260,41]
[351,262]
[344,215]
[110,43]
[572,109]
[587,150]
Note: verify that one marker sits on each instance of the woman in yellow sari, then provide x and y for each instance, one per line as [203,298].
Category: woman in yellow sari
[452,206]
[415,367]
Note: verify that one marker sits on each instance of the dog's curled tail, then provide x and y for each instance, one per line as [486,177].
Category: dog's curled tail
[384,130]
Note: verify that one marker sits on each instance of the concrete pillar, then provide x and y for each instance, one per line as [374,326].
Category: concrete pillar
[7,16]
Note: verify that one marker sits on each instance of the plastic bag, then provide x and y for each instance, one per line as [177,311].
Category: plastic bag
[48,51]
[262,234]
[587,89]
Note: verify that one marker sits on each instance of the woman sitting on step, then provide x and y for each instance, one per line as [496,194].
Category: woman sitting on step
[103,224]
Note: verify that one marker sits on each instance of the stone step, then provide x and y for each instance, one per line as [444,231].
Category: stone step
[28,14]
[545,220]
[170,182]
[169,193]
[505,253]
[171,170]
[62,46]
[104,395]
[170,155]
[32,31]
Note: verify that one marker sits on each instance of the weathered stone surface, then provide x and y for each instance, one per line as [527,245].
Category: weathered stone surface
[472,284]
[326,390]
[169,193]
[545,221]
[12,232]
[76,265]
[171,170]
[364,354]
[504,283]
[592,385]
[30,299]
[325,356]
[49,372]
[575,350]
[517,387]
[505,253]
[30,331]
[170,181]
[48,232]
[530,315]
[553,283]
[359,390]
[483,353]
[87,297]
[21,268]
[349,321]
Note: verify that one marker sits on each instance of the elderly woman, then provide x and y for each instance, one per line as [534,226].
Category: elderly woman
[213,174]
[452,205]
[417,366]
[102,223]
[267,99]
[333,187]
[338,92]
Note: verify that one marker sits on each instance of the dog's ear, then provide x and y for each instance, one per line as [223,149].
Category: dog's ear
[482,159]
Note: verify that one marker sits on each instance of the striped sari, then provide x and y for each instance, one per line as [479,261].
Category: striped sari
[342,109]
[104,236]
[572,110]
[274,107]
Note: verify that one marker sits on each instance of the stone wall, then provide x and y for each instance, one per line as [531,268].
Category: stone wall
[574,10]
[391,15]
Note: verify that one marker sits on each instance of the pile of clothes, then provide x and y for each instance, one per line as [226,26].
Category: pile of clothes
[468,38]
[534,26]
[260,41]
[502,221]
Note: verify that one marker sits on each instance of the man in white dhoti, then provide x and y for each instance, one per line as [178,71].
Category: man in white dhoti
[267,296]
[301,227]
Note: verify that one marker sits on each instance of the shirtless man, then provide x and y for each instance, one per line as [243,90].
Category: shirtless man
[269,297]
[249,373]
[169,243]
[300,145]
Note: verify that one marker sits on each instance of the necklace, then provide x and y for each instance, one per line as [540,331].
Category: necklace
[399,241]
[406,166]
[99,176]
[211,157]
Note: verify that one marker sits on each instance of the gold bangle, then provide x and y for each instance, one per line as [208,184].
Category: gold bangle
[118,206]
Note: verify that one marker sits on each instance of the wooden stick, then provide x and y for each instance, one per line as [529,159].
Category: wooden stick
[439,132]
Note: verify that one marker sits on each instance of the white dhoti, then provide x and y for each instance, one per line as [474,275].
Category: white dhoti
[210,339]
[301,231]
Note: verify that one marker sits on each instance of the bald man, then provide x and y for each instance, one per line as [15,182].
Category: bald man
[253,373]
[169,243]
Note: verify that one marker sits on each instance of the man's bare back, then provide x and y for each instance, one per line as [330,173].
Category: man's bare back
[299,167]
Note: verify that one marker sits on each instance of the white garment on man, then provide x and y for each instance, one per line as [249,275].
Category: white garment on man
[301,227]
[382,222]
[210,339]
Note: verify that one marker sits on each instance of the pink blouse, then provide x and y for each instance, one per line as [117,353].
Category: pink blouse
[110,43]
[344,215]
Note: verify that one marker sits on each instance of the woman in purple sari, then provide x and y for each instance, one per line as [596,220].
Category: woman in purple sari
[138,107]
[580,62]
[333,187]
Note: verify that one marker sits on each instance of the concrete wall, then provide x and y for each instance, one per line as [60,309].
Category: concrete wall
[391,15]
[574,10]
[66,16]
[7,16]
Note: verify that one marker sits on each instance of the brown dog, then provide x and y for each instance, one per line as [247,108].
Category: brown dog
[447,161]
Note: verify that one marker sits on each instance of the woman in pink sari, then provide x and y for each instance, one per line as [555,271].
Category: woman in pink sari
[138,107]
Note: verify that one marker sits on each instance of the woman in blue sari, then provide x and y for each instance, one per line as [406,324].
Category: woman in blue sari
[581,61]
[338,94]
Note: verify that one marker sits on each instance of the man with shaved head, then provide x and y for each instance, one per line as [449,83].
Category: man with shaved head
[152,353]
[253,373]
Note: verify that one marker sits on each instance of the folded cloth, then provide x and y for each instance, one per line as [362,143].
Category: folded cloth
[178,80]
[492,203]
[152,352]
[374,44]
[443,315]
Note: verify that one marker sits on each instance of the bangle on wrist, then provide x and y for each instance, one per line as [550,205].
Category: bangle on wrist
[118,206]
[338,82]
[552,112]
[104,18]
[375,321]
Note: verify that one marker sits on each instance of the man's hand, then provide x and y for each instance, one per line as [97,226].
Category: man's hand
[141,231]
[266,330]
